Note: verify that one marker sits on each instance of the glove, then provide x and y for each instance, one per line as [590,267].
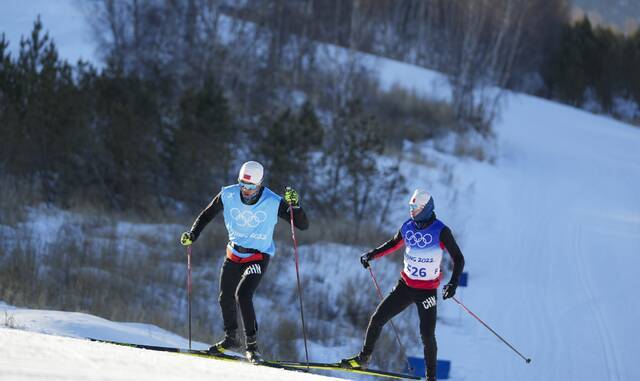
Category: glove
[449,290]
[364,259]
[291,196]
[187,238]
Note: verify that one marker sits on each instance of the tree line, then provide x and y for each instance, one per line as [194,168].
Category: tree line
[192,88]
[595,65]
[527,45]
[129,140]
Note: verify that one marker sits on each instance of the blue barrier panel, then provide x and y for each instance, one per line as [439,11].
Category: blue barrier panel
[444,366]
[464,277]
[417,363]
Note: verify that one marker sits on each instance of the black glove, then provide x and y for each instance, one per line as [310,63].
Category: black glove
[364,259]
[449,290]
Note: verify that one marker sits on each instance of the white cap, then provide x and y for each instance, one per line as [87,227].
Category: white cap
[251,172]
[420,197]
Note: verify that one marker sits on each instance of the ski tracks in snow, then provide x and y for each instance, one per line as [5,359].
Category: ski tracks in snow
[534,262]
[611,358]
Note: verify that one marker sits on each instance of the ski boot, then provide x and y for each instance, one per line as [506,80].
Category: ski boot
[229,343]
[252,350]
[360,361]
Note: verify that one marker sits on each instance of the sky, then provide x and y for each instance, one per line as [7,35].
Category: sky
[62,18]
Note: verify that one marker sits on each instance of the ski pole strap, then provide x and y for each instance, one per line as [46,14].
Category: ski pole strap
[189,269]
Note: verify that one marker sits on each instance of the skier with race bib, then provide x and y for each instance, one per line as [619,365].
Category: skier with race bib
[425,238]
[250,211]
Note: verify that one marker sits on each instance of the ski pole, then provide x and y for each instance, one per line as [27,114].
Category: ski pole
[527,360]
[189,289]
[395,330]
[295,253]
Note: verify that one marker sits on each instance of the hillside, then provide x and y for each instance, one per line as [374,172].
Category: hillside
[552,233]
[26,355]
[549,233]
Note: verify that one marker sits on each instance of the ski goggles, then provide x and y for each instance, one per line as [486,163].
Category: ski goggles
[413,207]
[248,186]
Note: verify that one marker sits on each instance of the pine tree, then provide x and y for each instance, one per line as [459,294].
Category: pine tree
[286,145]
[201,154]
[631,71]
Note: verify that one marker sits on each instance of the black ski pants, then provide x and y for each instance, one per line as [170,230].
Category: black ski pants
[238,282]
[399,299]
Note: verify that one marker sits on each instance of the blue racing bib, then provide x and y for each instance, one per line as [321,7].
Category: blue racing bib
[423,252]
[251,226]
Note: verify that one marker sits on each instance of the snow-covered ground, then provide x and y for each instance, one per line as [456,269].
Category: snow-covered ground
[81,325]
[48,345]
[551,245]
[550,233]
[35,356]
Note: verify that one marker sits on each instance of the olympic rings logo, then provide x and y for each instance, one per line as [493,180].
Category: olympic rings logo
[247,218]
[418,239]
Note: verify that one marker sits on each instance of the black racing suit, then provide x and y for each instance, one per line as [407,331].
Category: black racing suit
[240,278]
[424,299]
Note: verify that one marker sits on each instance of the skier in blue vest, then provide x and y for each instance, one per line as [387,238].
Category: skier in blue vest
[424,238]
[250,212]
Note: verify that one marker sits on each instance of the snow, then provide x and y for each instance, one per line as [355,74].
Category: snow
[556,224]
[48,345]
[35,356]
[425,83]
[80,325]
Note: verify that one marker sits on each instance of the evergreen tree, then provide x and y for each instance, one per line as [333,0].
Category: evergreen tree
[351,154]
[128,127]
[631,68]
[606,66]
[42,121]
[286,145]
[596,60]
[201,155]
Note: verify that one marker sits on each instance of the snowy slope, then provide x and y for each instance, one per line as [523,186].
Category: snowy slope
[550,233]
[35,356]
[551,248]
[80,325]
[28,353]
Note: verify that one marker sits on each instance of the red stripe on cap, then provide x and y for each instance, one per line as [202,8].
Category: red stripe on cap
[246,177]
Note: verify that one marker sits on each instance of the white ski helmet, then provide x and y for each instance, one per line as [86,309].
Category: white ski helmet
[420,197]
[251,172]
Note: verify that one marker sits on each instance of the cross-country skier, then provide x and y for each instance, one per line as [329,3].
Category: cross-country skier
[425,238]
[250,212]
